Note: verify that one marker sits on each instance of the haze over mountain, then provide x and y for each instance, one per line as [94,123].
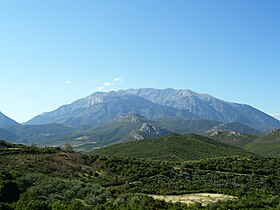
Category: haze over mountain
[100,107]
[206,106]
[6,121]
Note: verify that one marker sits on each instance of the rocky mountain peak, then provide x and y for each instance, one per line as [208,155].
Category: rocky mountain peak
[131,117]
[147,128]
[153,103]
[147,131]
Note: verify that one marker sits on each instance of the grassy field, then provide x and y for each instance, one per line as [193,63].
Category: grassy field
[203,198]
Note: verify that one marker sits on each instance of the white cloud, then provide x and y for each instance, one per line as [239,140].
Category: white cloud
[276,115]
[108,83]
[118,79]
[67,82]
[100,88]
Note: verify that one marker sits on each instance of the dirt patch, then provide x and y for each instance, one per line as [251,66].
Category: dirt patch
[203,198]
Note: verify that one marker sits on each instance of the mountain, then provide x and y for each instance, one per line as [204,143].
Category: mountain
[100,108]
[147,131]
[128,127]
[6,121]
[207,107]
[266,144]
[172,147]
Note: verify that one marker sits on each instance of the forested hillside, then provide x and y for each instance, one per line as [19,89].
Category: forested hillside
[51,178]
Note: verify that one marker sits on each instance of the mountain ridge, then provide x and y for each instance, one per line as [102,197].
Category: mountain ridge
[101,107]
[5,121]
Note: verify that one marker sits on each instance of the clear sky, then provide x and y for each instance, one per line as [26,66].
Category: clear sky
[56,51]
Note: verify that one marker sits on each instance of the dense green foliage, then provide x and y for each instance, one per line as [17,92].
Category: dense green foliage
[266,145]
[173,148]
[52,179]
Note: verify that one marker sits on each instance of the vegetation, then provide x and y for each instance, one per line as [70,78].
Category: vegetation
[231,137]
[53,178]
[173,148]
[183,125]
[266,145]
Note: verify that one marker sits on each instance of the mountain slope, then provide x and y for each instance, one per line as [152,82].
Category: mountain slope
[6,121]
[129,127]
[266,144]
[207,107]
[172,147]
[236,127]
[231,137]
[10,137]
[183,125]
[41,134]
[100,108]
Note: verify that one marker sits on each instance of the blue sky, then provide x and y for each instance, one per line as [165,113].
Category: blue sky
[54,52]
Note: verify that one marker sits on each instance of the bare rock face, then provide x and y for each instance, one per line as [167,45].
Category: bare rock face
[131,117]
[148,131]
[151,103]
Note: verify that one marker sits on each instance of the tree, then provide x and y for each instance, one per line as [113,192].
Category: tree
[68,148]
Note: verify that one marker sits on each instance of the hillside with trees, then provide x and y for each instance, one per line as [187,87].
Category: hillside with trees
[51,178]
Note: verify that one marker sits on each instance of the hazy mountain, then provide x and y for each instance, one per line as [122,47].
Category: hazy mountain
[10,137]
[207,107]
[6,121]
[41,134]
[100,108]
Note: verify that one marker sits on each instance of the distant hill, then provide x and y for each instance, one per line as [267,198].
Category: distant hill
[6,121]
[236,127]
[10,137]
[172,147]
[129,127]
[100,108]
[183,125]
[266,144]
[42,134]
[231,137]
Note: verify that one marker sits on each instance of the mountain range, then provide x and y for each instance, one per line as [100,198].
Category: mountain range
[103,119]
[101,107]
